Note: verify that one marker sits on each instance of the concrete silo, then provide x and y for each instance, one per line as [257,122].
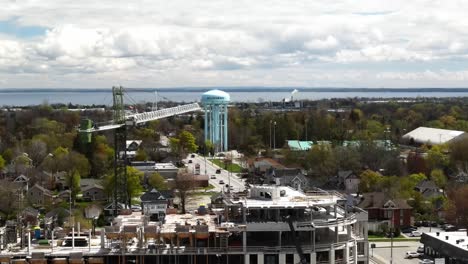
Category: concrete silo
[215,104]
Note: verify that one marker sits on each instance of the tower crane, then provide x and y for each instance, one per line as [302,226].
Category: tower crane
[119,125]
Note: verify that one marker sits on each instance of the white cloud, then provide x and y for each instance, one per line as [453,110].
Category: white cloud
[180,43]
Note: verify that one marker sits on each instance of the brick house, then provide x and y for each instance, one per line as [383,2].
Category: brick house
[382,210]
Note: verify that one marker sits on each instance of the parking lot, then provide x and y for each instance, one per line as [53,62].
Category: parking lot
[383,252]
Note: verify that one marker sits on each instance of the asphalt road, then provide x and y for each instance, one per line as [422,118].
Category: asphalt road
[382,252]
[232,179]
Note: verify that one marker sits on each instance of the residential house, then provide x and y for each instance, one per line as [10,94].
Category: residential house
[154,205]
[260,166]
[428,189]
[346,181]
[94,192]
[22,182]
[292,177]
[63,196]
[132,147]
[382,210]
[39,195]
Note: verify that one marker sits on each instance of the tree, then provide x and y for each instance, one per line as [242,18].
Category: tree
[134,178]
[184,184]
[141,155]
[370,181]
[9,195]
[2,163]
[459,154]
[73,181]
[457,206]
[321,161]
[183,144]
[439,178]
[157,181]
[436,158]
[102,157]
[416,163]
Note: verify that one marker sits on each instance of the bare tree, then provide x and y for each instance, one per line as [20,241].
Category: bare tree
[184,184]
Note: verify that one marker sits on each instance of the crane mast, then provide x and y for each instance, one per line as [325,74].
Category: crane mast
[119,125]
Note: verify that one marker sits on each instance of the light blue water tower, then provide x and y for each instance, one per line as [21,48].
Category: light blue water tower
[215,104]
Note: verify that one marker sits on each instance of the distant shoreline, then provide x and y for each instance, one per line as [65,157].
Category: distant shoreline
[252,89]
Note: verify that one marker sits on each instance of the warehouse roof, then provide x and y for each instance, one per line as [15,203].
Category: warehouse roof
[434,136]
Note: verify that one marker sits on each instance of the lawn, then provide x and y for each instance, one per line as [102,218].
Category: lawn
[231,167]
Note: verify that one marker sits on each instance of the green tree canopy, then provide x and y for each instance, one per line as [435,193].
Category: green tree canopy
[183,144]
[439,178]
[157,181]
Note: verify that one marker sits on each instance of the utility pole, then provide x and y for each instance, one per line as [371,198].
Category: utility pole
[270,132]
[274,135]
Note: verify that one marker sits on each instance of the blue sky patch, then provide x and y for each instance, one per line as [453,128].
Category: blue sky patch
[11,27]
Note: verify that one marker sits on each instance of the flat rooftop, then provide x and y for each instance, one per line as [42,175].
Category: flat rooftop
[452,238]
[271,196]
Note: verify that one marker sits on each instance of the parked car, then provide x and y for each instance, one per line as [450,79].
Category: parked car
[136,208]
[221,182]
[408,229]
[192,156]
[426,261]
[218,171]
[420,249]
[416,234]
[412,254]
[189,161]
[449,228]
[213,177]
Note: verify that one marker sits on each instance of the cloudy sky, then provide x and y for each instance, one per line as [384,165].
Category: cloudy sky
[176,43]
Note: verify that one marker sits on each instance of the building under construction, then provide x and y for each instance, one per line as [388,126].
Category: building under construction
[264,225]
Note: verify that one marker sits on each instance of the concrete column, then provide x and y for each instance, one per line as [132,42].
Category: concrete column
[331,254]
[244,242]
[346,253]
[279,238]
[260,259]
[282,258]
[296,259]
[366,249]
[102,238]
[29,241]
[355,254]
[313,258]
[246,259]
[365,231]
[73,237]
[337,236]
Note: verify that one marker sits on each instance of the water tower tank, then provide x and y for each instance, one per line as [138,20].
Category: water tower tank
[215,97]
[216,125]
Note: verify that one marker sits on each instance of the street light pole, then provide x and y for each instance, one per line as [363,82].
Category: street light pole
[391,236]
[270,132]
[274,135]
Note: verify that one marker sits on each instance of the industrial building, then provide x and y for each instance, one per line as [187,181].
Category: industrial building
[267,224]
[450,246]
[432,136]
